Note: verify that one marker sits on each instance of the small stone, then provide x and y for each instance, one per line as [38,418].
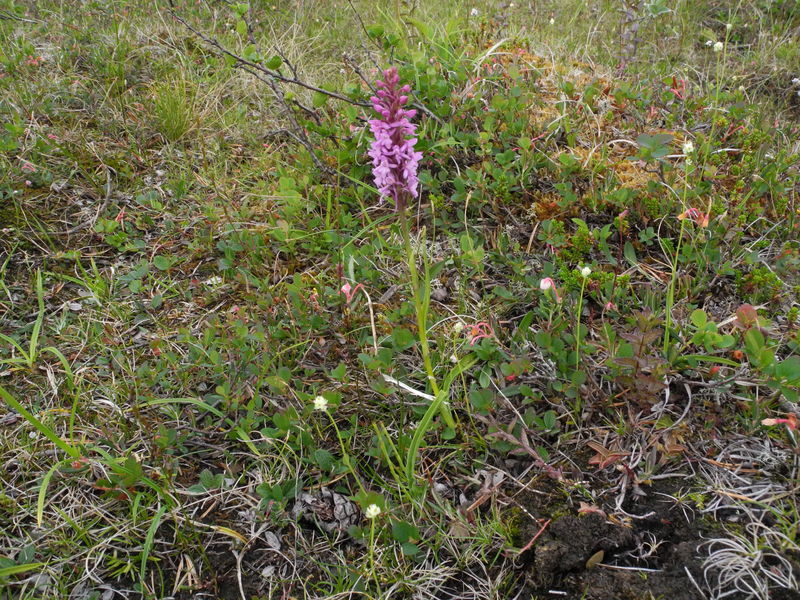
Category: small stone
[268,571]
[272,540]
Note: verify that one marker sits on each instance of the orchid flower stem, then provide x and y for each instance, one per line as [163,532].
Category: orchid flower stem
[372,554]
[674,276]
[671,291]
[421,305]
[578,325]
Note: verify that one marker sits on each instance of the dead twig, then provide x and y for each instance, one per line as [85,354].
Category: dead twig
[273,75]
[530,544]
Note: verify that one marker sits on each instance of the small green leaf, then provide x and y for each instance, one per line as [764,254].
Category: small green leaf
[162,263]
[340,372]
[790,393]
[630,254]
[375,31]
[16,569]
[365,498]
[765,358]
[789,369]
[726,341]
[402,339]
[210,481]
[410,549]
[324,459]
[319,99]
[274,62]
[250,53]
[425,29]
[753,342]
[27,554]
[403,531]
[699,317]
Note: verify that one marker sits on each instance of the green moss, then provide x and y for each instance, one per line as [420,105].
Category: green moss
[760,285]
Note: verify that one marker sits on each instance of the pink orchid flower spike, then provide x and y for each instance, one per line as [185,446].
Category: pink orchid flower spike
[394,160]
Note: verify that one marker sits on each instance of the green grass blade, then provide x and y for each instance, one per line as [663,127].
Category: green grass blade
[37,326]
[41,427]
[43,491]
[16,345]
[425,422]
[148,540]
[16,569]
[64,363]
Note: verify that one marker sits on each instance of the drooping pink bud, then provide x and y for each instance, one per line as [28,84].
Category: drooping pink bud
[548,284]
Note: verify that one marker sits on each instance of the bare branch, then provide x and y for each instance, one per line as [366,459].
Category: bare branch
[275,75]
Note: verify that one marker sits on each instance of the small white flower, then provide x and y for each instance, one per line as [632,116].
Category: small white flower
[545,284]
[742,89]
[511,5]
[552,21]
[472,13]
[373,510]
[796,81]
[710,43]
[453,358]
[320,403]
[213,281]
[729,26]
[718,47]
[585,272]
[688,147]
[458,327]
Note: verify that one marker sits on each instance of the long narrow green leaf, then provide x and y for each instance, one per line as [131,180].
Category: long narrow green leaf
[711,359]
[148,539]
[41,427]
[16,345]
[425,421]
[8,571]
[43,492]
[37,326]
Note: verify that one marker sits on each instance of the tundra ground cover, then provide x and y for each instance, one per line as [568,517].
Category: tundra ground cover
[568,369]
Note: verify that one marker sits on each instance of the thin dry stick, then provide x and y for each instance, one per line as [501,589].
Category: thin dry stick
[371,321]
[535,537]
[275,75]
